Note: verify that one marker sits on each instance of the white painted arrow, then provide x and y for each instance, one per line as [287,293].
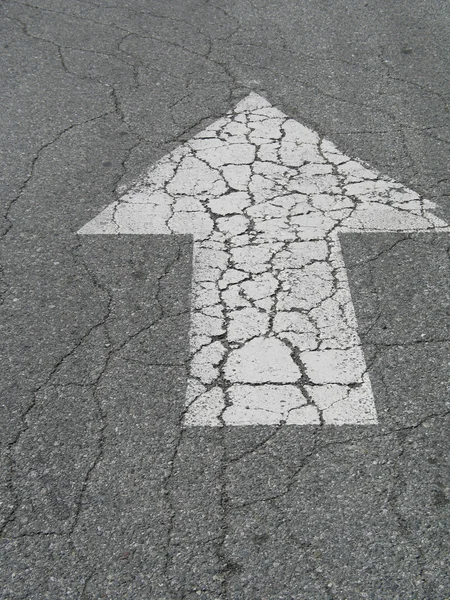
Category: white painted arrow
[274,335]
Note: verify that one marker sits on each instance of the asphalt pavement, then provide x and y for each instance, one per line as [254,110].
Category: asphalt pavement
[104,493]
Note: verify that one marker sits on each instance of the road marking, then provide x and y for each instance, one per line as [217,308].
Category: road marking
[273,335]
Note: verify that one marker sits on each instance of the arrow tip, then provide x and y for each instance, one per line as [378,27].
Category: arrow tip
[251,102]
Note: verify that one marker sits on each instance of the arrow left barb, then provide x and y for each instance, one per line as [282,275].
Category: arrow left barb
[273,334]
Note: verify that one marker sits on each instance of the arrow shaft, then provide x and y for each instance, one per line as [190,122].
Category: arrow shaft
[274,336]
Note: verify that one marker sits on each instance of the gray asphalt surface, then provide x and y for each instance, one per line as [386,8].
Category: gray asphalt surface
[103,494]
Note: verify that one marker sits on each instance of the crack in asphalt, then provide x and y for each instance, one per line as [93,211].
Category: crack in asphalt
[121,114]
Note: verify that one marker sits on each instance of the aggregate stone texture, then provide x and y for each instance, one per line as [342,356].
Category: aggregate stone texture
[103,492]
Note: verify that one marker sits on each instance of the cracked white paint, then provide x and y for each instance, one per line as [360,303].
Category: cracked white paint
[273,335]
